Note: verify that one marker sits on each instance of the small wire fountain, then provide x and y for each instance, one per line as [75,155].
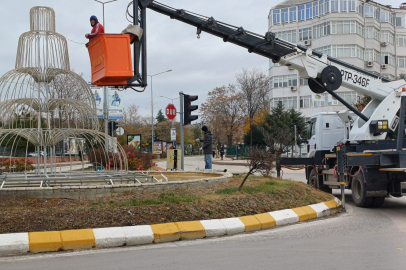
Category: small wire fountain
[48,118]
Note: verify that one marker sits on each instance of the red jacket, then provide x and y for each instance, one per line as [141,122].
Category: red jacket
[97,29]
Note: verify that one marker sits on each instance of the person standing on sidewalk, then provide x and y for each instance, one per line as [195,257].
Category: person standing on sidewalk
[207,147]
[222,152]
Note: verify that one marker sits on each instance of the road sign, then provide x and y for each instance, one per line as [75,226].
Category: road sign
[170,111]
[120,131]
[173,134]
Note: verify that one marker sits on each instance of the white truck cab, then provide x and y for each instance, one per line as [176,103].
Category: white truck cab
[325,130]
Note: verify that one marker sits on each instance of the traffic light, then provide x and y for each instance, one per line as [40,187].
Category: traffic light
[112,126]
[188,108]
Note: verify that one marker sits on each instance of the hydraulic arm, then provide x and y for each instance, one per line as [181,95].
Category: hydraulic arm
[325,74]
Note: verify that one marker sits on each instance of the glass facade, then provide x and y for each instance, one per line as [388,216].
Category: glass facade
[320,8]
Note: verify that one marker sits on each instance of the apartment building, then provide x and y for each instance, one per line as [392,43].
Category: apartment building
[363,33]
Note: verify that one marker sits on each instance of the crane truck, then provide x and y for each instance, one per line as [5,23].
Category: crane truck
[346,149]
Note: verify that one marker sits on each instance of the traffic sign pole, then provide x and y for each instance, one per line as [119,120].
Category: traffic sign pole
[181,130]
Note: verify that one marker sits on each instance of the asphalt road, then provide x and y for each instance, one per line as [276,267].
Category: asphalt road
[358,239]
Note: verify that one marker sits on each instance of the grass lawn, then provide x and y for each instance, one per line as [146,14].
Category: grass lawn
[259,195]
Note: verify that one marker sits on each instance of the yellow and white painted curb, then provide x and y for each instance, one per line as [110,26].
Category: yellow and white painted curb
[35,242]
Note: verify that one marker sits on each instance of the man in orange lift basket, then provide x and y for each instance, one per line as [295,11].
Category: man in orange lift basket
[97,28]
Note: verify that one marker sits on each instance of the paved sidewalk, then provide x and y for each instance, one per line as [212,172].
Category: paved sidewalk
[229,161]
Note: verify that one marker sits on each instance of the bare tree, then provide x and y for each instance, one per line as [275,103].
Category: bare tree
[222,111]
[254,87]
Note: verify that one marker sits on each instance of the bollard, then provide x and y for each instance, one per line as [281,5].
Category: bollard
[342,185]
[278,169]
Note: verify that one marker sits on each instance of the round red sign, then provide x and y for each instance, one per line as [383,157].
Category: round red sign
[170,111]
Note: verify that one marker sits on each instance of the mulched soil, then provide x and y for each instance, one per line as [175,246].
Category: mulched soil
[28,215]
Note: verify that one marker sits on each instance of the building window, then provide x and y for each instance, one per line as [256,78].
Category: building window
[321,30]
[343,6]
[327,6]
[391,58]
[371,55]
[377,14]
[360,8]
[350,97]
[289,36]
[309,11]
[402,61]
[292,14]
[305,101]
[384,16]
[304,81]
[393,18]
[324,50]
[315,9]
[372,32]
[284,81]
[347,51]
[387,36]
[305,34]
[321,7]
[352,6]
[400,40]
[286,102]
[368,11]
[302,13]
[334,5]
[276,16]
[398,21]
[284,15]
[346,27]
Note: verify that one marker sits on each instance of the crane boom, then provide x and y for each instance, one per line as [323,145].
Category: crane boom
[325,73]
[268,45]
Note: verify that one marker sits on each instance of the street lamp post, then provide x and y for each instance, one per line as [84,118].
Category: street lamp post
[103,3]
[105,95]
[172,99]
[152,111]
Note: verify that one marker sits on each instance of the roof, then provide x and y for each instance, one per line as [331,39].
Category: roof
[291,3]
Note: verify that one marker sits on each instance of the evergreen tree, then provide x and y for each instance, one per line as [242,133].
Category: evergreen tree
[160,117]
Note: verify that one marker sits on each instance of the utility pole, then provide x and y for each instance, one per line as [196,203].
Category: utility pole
[106,118]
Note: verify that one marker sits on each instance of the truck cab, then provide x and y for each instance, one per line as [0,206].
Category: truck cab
[325,130]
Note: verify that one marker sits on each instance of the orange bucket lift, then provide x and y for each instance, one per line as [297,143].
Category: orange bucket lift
[110,57]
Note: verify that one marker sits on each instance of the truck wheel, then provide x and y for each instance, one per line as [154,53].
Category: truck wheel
[359,192]
[316,181]
[377,202]
[313,179]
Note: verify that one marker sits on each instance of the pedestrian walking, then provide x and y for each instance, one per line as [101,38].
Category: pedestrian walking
[222,152]
[207,147]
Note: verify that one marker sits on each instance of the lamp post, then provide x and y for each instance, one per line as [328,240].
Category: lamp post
[152,111]
[172,99]
[103,3]
[105,95]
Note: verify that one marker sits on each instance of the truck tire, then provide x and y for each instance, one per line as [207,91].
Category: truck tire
[377,202]
[359,192]
[313,179]
[316,181]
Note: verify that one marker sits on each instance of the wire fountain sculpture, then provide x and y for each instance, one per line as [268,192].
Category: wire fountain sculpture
[43,105]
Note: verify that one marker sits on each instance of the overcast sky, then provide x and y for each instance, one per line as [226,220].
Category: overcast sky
[198,65]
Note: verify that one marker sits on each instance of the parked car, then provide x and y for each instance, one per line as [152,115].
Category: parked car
[35,154]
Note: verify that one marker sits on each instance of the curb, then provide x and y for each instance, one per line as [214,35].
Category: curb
[36,242]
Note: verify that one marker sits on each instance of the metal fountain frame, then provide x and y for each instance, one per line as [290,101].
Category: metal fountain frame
[43,102]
